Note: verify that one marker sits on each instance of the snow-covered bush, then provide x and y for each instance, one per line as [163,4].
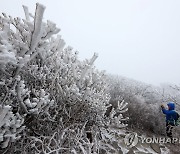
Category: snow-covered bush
[112,130]
[49,99]
[10,124]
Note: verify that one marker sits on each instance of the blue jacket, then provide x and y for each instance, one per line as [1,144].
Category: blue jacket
[171,115]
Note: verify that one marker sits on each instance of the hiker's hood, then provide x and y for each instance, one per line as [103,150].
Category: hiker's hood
[171,105]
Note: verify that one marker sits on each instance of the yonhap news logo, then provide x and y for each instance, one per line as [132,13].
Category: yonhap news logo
[131,139]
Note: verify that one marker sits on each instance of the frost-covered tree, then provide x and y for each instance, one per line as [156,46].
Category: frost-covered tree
[50,102]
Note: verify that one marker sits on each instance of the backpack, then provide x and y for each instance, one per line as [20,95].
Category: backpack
[177,121]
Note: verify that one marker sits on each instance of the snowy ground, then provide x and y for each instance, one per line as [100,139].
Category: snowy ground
[142,147]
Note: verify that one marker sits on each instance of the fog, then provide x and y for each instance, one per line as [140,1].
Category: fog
[139,39]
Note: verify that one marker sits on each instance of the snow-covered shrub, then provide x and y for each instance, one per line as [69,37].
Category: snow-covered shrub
[112,130]
[53,101]
[10,125]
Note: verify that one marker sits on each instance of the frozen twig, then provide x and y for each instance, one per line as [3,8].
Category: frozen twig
[37,27]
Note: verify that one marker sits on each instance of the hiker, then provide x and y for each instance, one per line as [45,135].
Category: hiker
[171,117]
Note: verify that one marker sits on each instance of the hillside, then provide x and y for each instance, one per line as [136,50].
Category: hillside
[52,102]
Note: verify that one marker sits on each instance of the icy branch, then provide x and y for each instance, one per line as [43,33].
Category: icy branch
[26,11]
[37,27]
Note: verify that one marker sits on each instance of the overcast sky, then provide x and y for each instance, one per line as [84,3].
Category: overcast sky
[139,39]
